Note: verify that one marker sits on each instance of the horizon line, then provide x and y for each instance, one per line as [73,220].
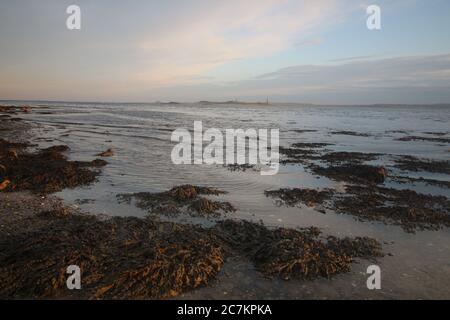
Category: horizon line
[230,102]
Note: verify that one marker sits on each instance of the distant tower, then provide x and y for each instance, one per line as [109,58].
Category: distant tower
[267,100]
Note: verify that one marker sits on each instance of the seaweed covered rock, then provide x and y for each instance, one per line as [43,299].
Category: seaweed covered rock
[289,253]
[120,258]
[305,153]
[188,191]
[107,153]
[44,171]
[184,199]
[207,207]
[407,208]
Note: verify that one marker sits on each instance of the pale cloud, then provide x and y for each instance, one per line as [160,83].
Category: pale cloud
[227,32]
[310,42]
[127,51]
[415,79]
[356,58]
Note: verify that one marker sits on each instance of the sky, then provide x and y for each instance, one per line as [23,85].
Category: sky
[315,51]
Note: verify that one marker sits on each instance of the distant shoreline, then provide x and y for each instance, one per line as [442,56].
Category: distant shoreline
[230,102]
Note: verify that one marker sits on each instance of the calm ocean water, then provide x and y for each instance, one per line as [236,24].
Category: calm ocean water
[140,135]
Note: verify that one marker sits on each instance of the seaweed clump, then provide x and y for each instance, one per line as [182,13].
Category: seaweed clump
[180,199]
[348,157]
[133,258]
[407,208]
[295,254]
[303,153]
[430,182]
[120,258]
[292,197]
[298,155]
[239,167]
[303,130]
[311,145]
[44,171]
[353,173]
[15,109]
[350,133]
[411,163]
[428,139]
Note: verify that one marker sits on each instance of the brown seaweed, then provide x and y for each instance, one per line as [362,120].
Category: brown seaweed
[429,139]
[350,133]
[407,208]
[295,254]
[293,197]
[410,163]
[181,199]
[44,171]
[354,173]
[120,258]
